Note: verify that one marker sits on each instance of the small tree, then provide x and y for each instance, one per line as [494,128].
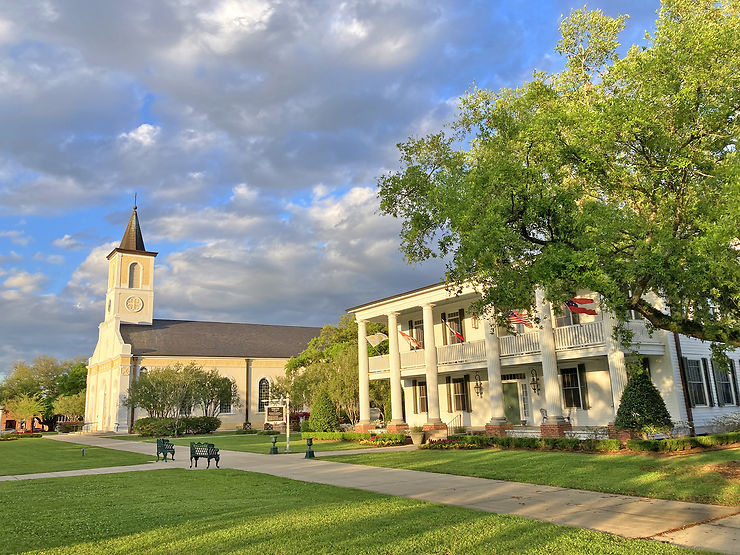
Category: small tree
[642,407]
[71,406]
[213,389]
[25,407]
[323,414]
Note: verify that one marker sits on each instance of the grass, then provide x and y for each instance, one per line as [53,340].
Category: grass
[252,443]
[684,477]
[218,511]
[31,455]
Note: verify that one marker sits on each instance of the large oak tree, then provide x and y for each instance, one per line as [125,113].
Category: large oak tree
[618,175]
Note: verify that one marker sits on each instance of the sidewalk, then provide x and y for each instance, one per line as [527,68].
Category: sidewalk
[688,524]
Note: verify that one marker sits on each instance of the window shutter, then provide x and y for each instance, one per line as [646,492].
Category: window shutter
[448,381]
[416,397]
[710,395]
[733,379]
[462,326]
[716,382]
[685,364]
[444,329]
[585,403]
[467,388]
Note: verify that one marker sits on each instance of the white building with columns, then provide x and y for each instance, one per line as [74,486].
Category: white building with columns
[563,376]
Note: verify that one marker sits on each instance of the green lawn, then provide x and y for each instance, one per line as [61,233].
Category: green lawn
[218,511]
[683,477]
[31,455]
[252,443]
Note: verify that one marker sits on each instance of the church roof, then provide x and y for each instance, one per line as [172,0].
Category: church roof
[132,238]
[216,339]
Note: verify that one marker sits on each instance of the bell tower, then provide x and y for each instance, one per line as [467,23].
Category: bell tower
[130,294]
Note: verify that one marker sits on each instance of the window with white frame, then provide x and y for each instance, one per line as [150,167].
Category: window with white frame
[420,397]
[724,387]
[460,394]
[695,383]
[264,394]
[455,325]
[571,387]
[225,408]
[417,332]
[567,318]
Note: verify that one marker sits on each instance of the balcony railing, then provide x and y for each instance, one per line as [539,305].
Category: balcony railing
[472,351]
[580,335]
[409,359]
[524,344]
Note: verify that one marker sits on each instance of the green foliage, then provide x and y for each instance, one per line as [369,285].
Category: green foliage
[683,443]
[66,427]
[506,442]
[71,406]
[45,379]
[157,427]
[172,391]
[617,175]
[642,407]
[353,436]
[329,363]
[323,414]
[305,426]
[25,407]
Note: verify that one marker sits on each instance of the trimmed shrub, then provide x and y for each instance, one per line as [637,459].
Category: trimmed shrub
[642,407]
[506,442]
[353,436]
[157,427]
[268,433]
[305,426]
[66,427]
[200,424]
[683,443]
[323,414]
[24,435]
[8,437]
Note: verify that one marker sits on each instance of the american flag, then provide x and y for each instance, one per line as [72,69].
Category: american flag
[573,305]
[517,318]
[457,333]
[413,342]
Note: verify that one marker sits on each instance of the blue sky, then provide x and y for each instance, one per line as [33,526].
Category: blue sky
[253,134]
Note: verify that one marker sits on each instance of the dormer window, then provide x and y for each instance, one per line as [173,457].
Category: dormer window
[134,276]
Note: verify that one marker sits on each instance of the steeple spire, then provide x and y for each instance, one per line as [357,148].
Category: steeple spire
[132,239]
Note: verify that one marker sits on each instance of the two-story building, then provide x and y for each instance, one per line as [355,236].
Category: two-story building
[563,375]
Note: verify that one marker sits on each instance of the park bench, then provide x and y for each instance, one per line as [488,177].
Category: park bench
[164,446]
[205,450]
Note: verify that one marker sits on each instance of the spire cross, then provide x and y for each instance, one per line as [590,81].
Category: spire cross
[134,201]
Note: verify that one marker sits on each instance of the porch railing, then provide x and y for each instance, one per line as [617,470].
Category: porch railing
[580,335]
[524,344]
[471,351]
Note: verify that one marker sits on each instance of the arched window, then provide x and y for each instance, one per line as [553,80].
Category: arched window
[264,394]
[134,276]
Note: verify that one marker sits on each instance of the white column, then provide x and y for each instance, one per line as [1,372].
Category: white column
[549,361]
[615,357]
[394,356]
[430,363]
[363,363]
[493,363]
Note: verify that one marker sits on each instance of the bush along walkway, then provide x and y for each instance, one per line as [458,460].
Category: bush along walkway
[689,524]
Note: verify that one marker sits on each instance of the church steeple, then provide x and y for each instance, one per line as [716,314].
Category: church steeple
[132,238]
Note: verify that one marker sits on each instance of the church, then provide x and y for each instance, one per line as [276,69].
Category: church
[131,340]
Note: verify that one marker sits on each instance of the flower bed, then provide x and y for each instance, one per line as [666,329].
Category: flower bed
[382,441]
[683,443]
[399,439]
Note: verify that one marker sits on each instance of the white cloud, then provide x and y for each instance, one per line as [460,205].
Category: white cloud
[17,237]
[67,242]
[25,282]
[144,136]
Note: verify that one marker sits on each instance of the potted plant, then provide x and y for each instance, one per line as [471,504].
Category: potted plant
[417,435]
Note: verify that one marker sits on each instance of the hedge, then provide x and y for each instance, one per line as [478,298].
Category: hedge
[151,427]
[259,432]
[353,436]
[683,443]
[506,442]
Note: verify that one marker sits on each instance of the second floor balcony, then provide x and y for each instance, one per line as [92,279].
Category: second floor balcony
[567,338]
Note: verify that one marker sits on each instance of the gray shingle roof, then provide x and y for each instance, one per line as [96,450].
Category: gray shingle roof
[216,339]
[132,238]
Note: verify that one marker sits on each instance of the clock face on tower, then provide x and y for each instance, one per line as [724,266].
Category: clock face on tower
[134,304]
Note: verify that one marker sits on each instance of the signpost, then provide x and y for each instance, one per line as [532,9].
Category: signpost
[287,423]
[277,412]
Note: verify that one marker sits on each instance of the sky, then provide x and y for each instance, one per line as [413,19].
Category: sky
[253,134]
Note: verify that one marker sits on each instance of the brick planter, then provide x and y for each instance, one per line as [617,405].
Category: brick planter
[498,429]
[623,435]
[397,428]
[364,428]
[435,431]
[554,430]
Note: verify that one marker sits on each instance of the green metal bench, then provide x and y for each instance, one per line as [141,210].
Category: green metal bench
[203,450]
[164,446]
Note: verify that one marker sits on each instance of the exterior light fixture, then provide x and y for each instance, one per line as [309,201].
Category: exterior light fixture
[478,385]
[534,383]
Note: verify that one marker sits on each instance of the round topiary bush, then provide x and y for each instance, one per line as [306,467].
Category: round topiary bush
[642,407]
[323,414]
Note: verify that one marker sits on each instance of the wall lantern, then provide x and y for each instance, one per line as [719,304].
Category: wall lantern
[535,382]
[478,385]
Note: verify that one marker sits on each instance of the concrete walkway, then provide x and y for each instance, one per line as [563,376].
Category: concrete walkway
[688,524]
